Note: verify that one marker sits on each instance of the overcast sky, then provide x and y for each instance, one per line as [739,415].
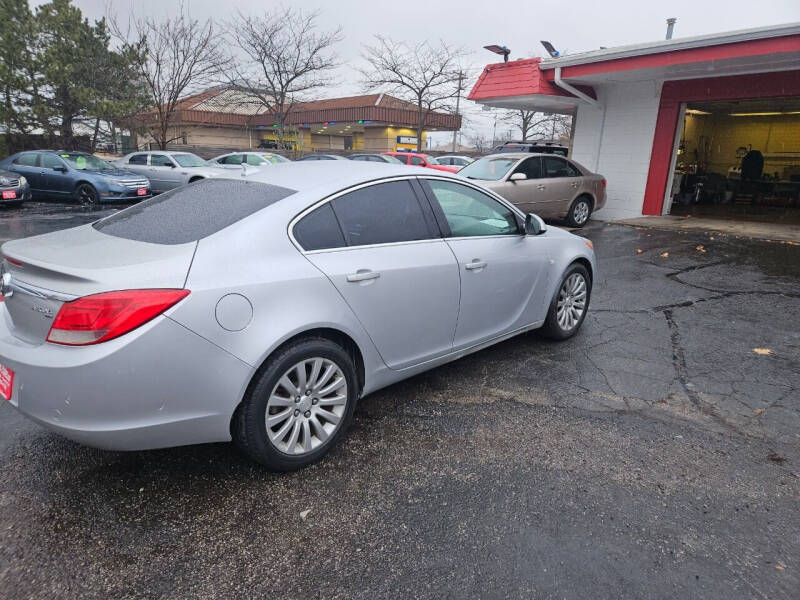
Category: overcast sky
[572,26]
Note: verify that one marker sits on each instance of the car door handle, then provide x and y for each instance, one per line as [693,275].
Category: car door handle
[575,185]
[541,187]
[362,275]
[475,264]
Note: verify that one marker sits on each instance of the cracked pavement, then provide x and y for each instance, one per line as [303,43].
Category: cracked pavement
[654,455]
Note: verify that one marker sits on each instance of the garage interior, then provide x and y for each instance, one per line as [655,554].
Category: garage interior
[739,160]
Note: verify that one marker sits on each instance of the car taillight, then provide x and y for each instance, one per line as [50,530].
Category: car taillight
[102,317]
[604,183]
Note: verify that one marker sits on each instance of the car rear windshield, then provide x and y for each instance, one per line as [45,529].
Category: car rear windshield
[192,212]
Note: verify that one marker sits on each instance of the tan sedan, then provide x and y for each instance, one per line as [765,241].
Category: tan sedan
[550,186]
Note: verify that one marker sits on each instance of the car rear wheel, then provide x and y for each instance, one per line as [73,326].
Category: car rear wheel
[86,194]
[569,305]
[301,403]
[579,212]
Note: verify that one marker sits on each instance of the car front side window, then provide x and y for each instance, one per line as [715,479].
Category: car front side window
[160,160]
[48,161]
[471,213]
[530,167]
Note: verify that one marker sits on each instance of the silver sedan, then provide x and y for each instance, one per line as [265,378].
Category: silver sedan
[167,170]
[262,312]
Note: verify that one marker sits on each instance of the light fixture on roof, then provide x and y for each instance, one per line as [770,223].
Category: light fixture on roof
[765,114]
[550,49]
[694,111]
[503,50]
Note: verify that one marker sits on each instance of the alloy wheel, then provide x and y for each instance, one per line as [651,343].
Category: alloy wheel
[86,195]
[571,302]
[306,406]
[581,212]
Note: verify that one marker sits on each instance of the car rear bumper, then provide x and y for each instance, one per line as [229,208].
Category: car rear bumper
[158,386]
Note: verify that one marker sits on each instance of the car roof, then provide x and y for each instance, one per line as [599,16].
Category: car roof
[523,155]
[327,177]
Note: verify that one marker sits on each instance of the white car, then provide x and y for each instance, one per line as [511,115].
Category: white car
[167,170]
[235,160]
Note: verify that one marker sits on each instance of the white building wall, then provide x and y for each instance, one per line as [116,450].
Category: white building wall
[616,140]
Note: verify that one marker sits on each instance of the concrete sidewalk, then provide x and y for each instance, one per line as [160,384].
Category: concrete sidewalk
[760,230]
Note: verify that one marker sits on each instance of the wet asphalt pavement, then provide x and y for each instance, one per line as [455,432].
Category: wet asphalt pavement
[654,455]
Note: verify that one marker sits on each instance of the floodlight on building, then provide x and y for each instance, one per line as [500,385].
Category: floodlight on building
[550,49]
[503,50]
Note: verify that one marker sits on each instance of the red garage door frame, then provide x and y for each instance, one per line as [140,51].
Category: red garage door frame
[739,87]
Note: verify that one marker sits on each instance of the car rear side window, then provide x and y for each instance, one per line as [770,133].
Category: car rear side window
[319,230]
[138,159]
[556,167]
[26,160]
[382,214]
[192,212]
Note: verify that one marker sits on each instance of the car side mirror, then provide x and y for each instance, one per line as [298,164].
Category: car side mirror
[60,169]
[173,165]
[518,177]
[534,224]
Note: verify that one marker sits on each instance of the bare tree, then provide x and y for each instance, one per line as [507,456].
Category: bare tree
[175,57]
[538,126]
[287,58]
[481,142]
[427,75]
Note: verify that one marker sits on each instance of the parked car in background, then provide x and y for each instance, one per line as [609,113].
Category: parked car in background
[417,159]
[235,160]
[76,175]
[548,185]
[454,161]
[527,146]
[140,321]
[14,188]
[167,170]
[322,157]
[378,158]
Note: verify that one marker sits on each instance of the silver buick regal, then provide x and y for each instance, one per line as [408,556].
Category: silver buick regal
[262,312]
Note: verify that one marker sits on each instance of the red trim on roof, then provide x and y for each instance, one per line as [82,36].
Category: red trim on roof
[678,57]
[517,78]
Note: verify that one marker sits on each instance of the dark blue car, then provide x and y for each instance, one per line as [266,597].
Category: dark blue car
[76,175]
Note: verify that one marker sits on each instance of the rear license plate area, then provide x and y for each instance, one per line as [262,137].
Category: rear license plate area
[6,382]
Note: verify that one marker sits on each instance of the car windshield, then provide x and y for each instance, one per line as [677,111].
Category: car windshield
[274,158]
[86,162]
[488,169]
[189,160]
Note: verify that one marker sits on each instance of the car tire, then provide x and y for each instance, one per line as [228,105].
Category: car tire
[86,195]
[291,451]
[579,212]
[562,322]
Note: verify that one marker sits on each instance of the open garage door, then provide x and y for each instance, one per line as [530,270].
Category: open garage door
[738,160]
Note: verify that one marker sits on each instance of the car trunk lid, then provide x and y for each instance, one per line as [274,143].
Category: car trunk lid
[43,272]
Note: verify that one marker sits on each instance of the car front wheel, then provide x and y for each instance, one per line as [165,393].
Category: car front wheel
[579,212]
[299,406]
[86,194]
[569,305]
